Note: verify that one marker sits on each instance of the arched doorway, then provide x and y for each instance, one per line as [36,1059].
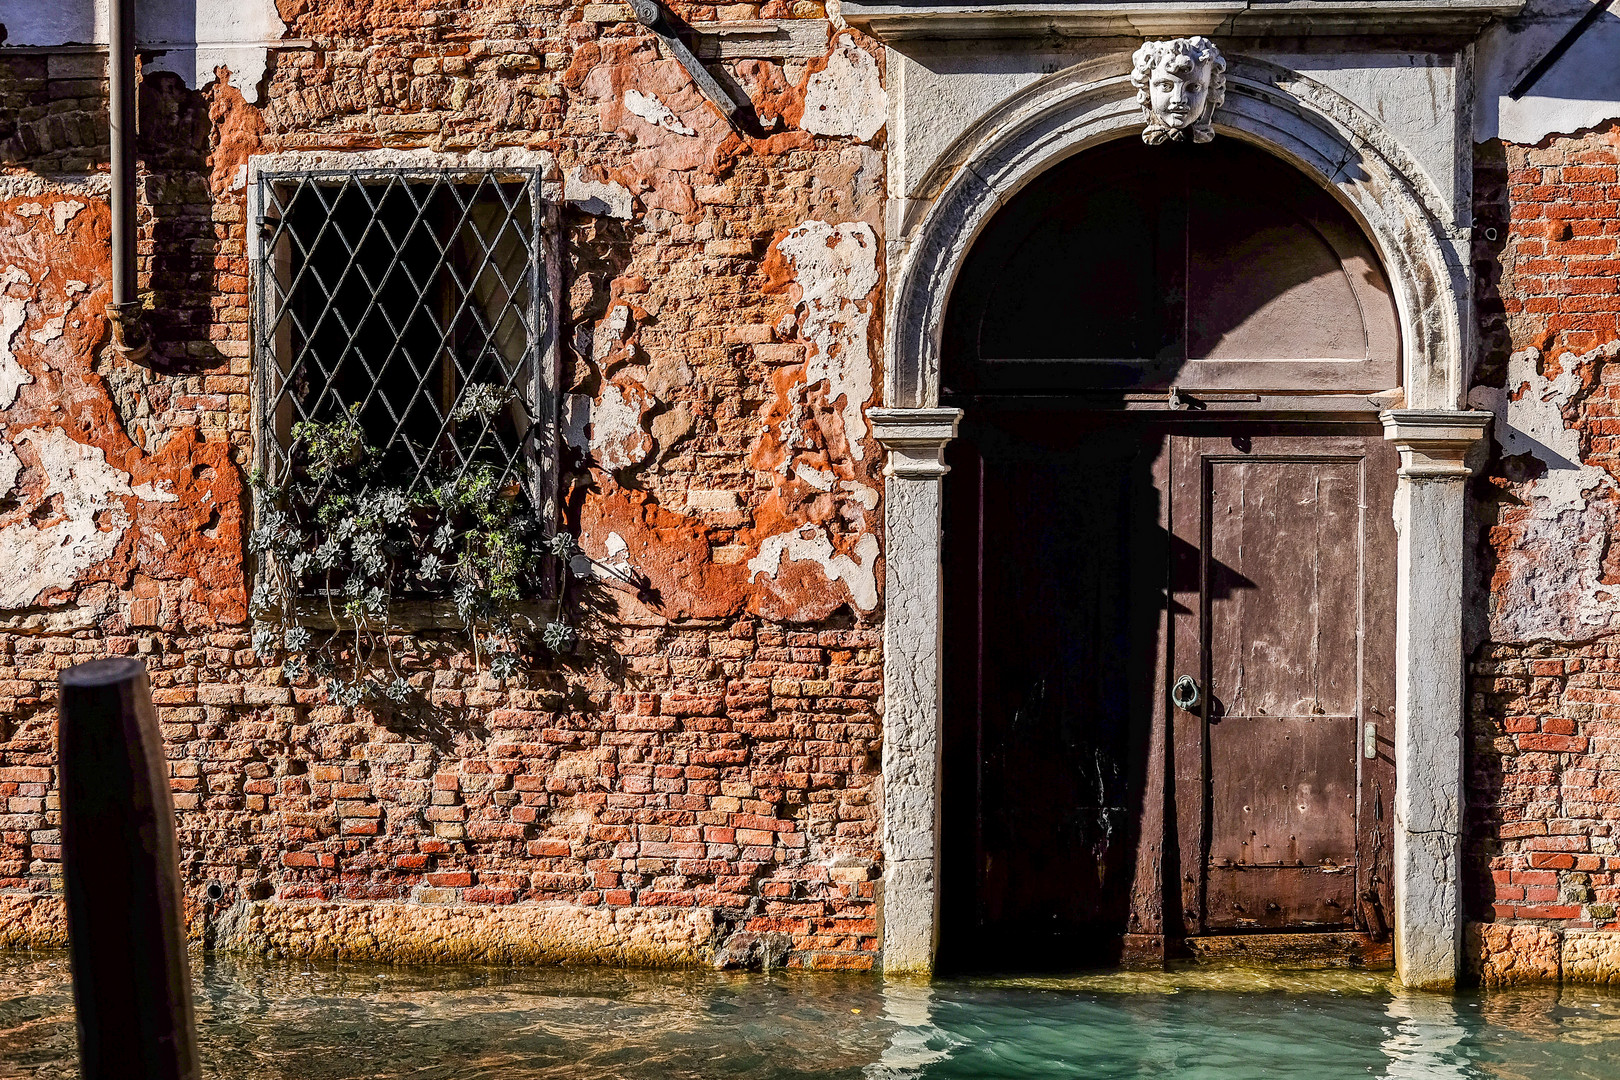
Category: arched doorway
[1170,470]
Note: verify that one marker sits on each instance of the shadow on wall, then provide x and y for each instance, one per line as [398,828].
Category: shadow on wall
[1581,89]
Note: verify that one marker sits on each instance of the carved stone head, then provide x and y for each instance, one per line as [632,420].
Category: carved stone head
[1179,84]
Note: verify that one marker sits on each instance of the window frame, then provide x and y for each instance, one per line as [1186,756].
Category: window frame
[268,345]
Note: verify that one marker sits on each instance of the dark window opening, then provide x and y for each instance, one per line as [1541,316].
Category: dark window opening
[413,305]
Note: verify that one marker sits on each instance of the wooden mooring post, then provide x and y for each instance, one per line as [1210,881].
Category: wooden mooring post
[131,982]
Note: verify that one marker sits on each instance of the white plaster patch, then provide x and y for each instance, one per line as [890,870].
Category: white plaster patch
[846,98]
[610,429]
[836,270]
[30,209]
[152,492]
[13,377]
[34,560]
[10,467]
[1553,584]
[64,212]
[610,331]
[73,287]
[809,543]
[820,479]
[865,495]
[50,331]
[655,112]
[603,198]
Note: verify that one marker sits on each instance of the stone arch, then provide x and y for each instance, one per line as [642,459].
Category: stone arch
[1299,120]
[1422,241]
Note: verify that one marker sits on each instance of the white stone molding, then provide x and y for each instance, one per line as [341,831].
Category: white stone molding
[1423,243]
[1179,84]
[1429,717]
[1413,200]
[907,20]
[912,626]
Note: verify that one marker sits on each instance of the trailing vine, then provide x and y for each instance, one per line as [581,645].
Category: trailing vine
[337,535]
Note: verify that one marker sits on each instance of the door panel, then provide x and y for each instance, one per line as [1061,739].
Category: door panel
[1091,562]
[1295,644]
[1054,540]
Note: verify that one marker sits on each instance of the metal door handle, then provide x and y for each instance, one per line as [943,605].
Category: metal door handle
[1185,694]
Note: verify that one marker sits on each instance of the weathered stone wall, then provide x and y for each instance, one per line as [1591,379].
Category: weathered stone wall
[1543,780]
[700,786]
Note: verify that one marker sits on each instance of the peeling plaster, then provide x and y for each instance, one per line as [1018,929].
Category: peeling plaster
[810,543]
[64,212]
[845,99]
[51,330]
[610,429]
[835,267]
[13,312]
[820,479]
[599,197]
[1549,583]
[10,467]
[865,495]
[655,112]
[35,560]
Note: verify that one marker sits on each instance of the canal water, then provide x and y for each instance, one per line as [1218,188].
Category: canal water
[300,1021]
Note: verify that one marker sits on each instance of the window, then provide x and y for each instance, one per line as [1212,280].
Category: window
[411,311]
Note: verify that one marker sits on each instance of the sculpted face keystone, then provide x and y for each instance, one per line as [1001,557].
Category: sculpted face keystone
[1179,84]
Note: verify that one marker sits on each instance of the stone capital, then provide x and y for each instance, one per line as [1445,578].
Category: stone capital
[915,440]
[1434,443]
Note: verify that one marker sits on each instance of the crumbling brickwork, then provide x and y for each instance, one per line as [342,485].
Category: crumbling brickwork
[710,761]
[1544,728]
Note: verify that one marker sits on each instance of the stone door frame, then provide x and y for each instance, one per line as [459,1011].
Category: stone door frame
[1424,245]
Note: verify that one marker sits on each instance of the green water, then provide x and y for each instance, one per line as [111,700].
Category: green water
[268,1021]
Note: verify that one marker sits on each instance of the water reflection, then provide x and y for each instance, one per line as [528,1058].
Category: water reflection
[914,1043]
[1424,1039]
[298,1021]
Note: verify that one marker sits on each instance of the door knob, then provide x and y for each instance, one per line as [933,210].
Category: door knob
[1185,694]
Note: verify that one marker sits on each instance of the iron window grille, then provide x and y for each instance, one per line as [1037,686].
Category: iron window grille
[409,300]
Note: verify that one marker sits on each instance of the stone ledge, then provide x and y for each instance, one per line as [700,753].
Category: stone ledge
[530,933]
[895,20]
[1522,954]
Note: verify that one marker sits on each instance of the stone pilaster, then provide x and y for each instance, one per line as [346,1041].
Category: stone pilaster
[1429,716]
[915,440]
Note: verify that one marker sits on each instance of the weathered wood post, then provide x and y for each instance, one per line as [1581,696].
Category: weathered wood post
[131,982]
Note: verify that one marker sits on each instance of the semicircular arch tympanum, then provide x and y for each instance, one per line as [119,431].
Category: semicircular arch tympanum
[1206,267]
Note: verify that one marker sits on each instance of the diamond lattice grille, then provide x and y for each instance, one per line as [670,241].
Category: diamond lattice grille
[412,303]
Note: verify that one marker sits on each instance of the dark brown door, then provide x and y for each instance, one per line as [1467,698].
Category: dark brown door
[1055,594]
[1284,776]
[1090,563]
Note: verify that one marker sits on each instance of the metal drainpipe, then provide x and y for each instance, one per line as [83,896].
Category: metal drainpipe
[129,330]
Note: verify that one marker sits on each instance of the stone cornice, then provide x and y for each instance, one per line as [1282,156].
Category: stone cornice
[1434,444]
[915,440]
[896,20]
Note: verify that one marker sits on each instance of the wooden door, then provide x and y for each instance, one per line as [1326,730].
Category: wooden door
[1284,780]
[1055,593]
[1090,564]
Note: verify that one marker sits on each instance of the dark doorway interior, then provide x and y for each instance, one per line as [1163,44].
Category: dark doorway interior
[1055,586]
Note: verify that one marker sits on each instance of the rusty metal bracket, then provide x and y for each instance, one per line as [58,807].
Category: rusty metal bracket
[651,14]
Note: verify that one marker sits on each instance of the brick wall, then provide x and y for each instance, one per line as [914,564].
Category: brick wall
[1544,704]
[716,747]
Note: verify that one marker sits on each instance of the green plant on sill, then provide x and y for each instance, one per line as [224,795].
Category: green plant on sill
[332,532]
